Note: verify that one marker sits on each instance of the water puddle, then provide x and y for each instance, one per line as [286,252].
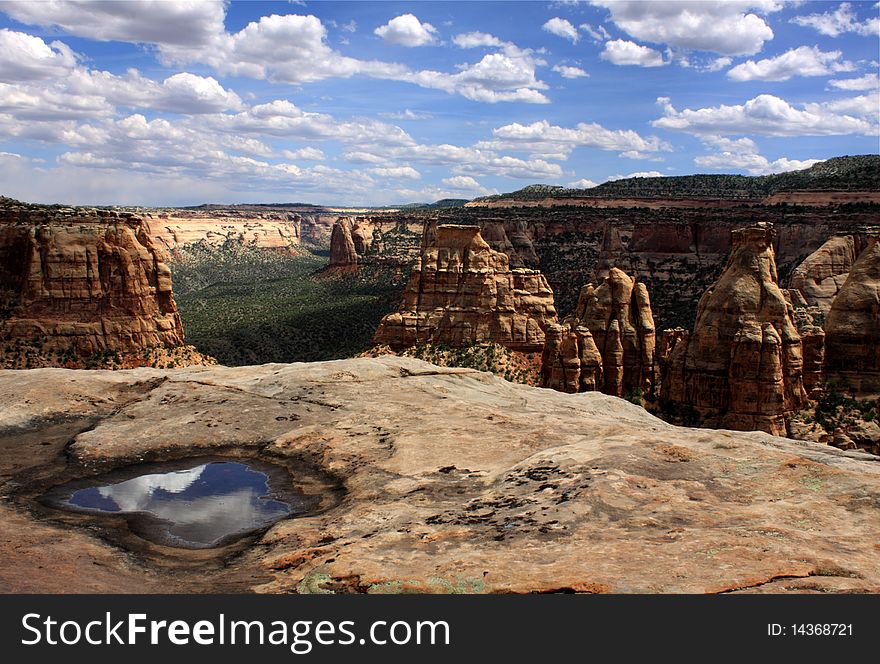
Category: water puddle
[191,506]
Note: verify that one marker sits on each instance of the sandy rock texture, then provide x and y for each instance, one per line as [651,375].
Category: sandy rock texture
[852,329]
[463,292]
[451,480]
[742,366]
[608,344]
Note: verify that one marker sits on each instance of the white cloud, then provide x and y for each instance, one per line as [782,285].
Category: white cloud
[743,154]
[28,58]
[726,27]
[863,106]
[866,82]
[475,40]
[407,114]
[463,183]
[542,137]
[304,154]
[637,174]
[149,21]
[293,48]
[583,183]
[561,28]
[407,30]
[570,72]
[801,61]
[397,172]
[598,34]
[622,52]
[840,21]
[765,115]
[496,77]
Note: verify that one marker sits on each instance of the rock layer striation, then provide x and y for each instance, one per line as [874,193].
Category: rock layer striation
[608,345]
[463,292]
[742,366]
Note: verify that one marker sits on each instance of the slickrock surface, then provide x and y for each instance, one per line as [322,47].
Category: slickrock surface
[820,277]
[852,329]
[463,292]
[741,367]
[609,344]
[454,481]
[76,283]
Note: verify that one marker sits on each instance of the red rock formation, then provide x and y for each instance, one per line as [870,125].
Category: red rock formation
[609,345]
[852,329]
[342,248]
[462,292]
[820,277]
[741,368]
[75,283]
[174,231]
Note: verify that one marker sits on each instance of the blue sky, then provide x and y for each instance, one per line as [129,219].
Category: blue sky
[376,103]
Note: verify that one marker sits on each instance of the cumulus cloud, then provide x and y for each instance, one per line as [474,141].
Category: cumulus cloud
[407,30]
[475,40]
[637,174]
[28,58]
[148,21]
[729,27]
[541,137]
[304,154]
[801,61]
[463,183]
[397,172]
[765,115]
[743,154]
[561,28]
[570,72]
[583,183]
[293,48]
[866,82]
[622,52]
[840,21]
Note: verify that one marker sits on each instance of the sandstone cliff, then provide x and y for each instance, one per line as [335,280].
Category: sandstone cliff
[608,345]
[174,231]
[342,248]
[741,368]
[852,329]
[818,280]
[84,286]
[462,292]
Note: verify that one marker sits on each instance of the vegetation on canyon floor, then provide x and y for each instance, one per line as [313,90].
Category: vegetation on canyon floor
[247,306]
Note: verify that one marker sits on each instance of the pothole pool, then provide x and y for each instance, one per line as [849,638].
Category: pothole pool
[189,505]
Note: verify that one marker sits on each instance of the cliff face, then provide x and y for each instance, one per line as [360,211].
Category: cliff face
[462,292]
[77,283]
[818,280]
[741,368]
[342,248]
[609,344]
[677,250]
[173,232]
[852,329]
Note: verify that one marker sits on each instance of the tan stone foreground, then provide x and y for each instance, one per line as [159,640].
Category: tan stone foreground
[455,481]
